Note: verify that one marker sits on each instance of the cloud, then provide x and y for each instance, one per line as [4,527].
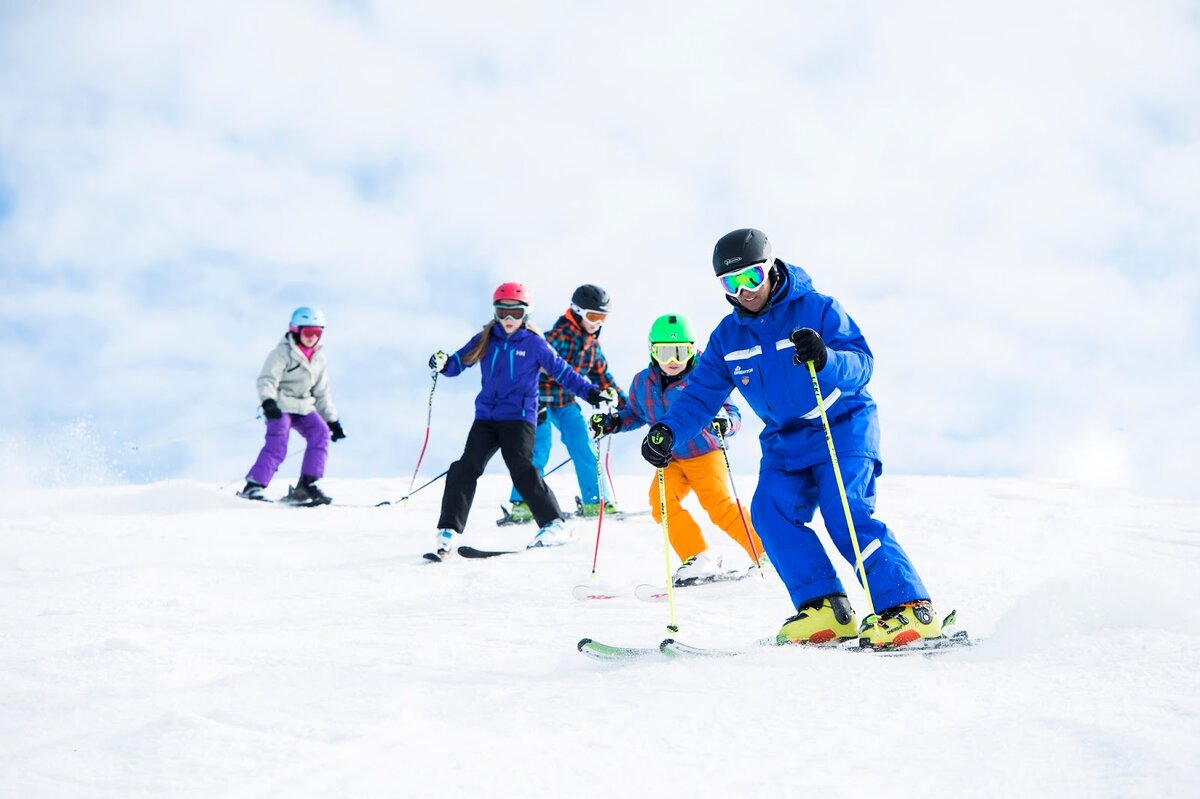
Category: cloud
[1006,208]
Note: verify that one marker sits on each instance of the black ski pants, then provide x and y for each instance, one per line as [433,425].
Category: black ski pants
[515,442]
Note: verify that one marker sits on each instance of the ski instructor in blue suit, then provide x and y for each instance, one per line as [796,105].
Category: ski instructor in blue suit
[778,324]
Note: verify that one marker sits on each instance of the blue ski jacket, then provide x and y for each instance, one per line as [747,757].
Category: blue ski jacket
[754,355]
[510,366]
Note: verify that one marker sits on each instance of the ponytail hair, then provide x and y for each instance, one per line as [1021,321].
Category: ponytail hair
[485,336]
[476,352]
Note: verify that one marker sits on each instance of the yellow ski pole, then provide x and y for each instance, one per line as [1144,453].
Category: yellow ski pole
[837,473]
[662,510]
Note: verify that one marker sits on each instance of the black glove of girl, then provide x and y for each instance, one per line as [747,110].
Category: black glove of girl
[599,395]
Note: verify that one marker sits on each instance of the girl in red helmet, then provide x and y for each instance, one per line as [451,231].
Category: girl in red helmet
[511,354]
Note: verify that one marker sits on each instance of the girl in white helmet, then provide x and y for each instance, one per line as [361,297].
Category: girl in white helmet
[294,390]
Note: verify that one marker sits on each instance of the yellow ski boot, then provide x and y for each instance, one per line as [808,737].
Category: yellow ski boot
[901,625]
[822,621]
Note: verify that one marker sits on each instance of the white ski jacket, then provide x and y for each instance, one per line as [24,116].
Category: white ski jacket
[296,383]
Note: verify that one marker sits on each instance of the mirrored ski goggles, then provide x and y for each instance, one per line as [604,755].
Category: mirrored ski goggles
[595,317]
[672,353]
[749,278]
[314,332]
[509,312]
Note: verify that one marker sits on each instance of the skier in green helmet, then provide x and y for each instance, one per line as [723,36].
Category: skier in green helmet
[698,465]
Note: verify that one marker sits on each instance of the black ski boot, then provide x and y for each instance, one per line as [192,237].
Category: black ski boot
[253,490]
[307,493]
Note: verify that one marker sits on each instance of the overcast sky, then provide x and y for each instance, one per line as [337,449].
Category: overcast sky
[1004,196]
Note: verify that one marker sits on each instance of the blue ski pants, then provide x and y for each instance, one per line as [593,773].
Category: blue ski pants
[574,432]
[784,503]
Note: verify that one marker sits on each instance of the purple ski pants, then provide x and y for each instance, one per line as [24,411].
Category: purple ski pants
[274,450]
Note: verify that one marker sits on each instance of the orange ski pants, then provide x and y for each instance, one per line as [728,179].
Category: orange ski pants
[707,476]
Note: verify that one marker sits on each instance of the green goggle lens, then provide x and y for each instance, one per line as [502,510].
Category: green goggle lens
[748,279]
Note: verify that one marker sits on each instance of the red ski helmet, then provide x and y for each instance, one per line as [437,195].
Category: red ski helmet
[511,292]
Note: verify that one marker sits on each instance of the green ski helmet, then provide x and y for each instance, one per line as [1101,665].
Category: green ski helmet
[672,340]
[671,328]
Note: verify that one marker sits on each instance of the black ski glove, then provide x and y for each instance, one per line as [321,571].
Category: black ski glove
[336,431]
[656,447]
[599,395]
[722,424]
[271,409]
[543,411]
[809,347]
[605,423]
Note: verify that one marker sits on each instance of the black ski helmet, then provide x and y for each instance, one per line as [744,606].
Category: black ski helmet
[740,249]
[590,298]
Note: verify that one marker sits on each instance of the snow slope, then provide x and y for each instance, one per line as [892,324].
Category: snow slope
[172,640]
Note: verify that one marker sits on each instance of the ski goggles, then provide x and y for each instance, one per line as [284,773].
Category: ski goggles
[748,278]
[672,353]
[595,317]
[509,312]
[314,332]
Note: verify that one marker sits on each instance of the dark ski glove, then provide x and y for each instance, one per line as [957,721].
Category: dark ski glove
[809,347]
[600,395]
[605,423]
[543,411]
[271,409]
[656,447]
[722,424]
[336,431]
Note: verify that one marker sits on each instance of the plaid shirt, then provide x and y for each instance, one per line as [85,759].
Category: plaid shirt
[648,403]
[582,352]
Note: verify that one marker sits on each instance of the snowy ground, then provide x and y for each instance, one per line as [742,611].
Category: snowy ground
[172,640]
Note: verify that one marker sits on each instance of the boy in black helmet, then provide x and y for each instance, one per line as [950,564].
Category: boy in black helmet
[575,336]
